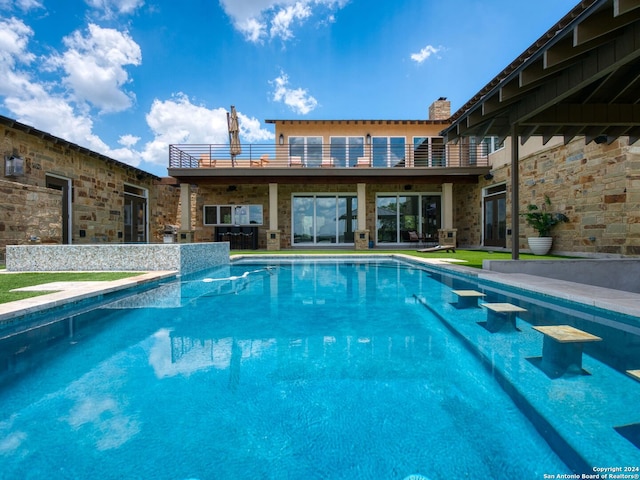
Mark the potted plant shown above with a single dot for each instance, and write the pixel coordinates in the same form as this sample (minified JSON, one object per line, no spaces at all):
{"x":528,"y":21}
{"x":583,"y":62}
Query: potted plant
{"x":542,"y":221}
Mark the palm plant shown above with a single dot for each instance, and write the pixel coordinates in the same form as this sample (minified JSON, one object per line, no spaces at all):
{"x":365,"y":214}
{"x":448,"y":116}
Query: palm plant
{"x":541,"y":220}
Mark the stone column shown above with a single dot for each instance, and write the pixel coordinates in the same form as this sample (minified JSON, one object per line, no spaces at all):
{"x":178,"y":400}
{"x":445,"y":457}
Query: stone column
{"x":361,"y":239}
{"x":273,"y":234}
{"x":447,"y":234}
{"x":185,"y":234}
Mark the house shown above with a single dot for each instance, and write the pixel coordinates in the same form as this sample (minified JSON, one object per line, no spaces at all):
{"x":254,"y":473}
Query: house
{"x":332,"y":183}
{"x":57,"y":192}
{"x":571,"y":101}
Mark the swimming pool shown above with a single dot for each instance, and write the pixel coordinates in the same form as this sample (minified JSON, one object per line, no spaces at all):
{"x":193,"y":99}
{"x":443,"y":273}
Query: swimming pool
{"x":310,"y":369}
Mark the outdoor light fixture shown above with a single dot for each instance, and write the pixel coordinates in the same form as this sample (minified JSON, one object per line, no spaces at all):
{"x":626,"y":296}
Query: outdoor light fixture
{"x":13,"y":166}
{"x":488,"y":176}
{"x":281,"y":139}
{"x":232,"y":188}
{"x":368,"y":139}
{"x":600,"y":139}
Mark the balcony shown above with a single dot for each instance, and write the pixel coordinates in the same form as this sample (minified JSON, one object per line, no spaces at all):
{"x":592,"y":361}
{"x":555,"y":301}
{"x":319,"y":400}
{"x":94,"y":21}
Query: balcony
{"x":327,"y":156}
{"x":198,"y":162}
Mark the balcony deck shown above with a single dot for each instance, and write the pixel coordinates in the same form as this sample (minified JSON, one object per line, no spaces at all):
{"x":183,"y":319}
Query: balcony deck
{"x":258,"y":163}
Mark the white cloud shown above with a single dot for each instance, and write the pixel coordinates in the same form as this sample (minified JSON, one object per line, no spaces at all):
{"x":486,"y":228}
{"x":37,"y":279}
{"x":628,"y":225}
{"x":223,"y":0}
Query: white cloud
{"x":94,"y":66}
{"x":111,"y":8}
{"x":281,"y":23}
{"x":14,"y":40}
{"x":22,"y":5}
{"x":257,"y":19}
{"x":178,"y":120}
{"x":297,"y":99}
{"x":425,"y":53}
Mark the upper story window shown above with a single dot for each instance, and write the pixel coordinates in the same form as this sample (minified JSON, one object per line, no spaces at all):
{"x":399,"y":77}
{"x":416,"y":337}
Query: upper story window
{"x":307,"y":149}
{"x":346,"y":150}
{"x":388,"y":151}
{"x":429,"y":152}
{"x":492,"y":144}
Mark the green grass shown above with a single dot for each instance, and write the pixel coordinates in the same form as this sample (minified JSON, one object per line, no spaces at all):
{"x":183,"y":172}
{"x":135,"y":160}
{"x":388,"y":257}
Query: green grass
{"x":472,"y":258}
{"x":9,"y":281}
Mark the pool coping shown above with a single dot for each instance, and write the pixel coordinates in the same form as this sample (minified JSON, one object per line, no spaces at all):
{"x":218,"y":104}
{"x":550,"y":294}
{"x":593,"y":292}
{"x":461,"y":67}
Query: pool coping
{"x":618,"y":301}
{"x":75,"y":292}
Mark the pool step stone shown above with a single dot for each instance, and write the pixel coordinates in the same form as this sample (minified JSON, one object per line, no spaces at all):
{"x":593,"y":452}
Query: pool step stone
{"x":501,"y":316}
{"x":467,"y":298}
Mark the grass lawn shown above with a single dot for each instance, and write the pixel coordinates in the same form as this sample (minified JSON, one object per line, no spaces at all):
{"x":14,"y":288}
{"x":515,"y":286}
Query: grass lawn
{"x":472,"y":258}
{"x":9,"y":281}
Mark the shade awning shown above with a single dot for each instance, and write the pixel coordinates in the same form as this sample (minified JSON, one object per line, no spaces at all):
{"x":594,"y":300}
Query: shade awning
{"x":582,"y":77}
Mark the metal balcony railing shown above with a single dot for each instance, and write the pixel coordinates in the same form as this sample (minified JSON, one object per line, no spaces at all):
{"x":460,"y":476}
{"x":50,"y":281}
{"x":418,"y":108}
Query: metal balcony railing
{"x":328,"y":156}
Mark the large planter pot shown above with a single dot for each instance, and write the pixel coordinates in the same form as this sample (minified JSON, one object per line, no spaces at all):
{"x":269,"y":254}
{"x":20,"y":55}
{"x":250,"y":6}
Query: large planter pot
{"x":540,"y":245}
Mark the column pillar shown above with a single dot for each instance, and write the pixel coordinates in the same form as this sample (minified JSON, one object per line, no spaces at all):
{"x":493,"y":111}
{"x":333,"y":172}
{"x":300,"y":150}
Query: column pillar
{"x":361,"y":241}
{"x":273,"y":234}
{"x":447,"y":234}
{"x":185,"y":234}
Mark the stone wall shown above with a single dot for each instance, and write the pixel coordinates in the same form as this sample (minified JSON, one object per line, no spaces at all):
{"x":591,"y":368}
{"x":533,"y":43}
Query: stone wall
{"x":29,"y":214}
{"x":259,"y":195}
{"x":98,"y":186}
{"x":596,"y":186}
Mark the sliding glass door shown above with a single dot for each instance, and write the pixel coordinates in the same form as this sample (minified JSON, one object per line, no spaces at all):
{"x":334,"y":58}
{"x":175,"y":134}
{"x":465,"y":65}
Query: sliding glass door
{"x":324,"y":219}
{"x":397,"y":215}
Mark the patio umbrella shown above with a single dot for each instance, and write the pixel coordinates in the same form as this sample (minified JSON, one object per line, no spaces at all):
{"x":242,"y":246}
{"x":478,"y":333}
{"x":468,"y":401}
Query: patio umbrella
{"x":234,"y":134}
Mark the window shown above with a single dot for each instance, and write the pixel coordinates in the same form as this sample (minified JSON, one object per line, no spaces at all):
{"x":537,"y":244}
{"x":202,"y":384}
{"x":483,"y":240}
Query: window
{"x":397,"y":215}
{"x":492,"y":144}
{"x":308,"y":149}
{"x":346,"y":150}
{"x":388,"y":151}
{"x":318,"y":219}
{"x":232,"y":215}
{"x":429,"y":152}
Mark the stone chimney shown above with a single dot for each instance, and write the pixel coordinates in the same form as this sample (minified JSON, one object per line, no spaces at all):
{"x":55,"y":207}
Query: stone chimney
{"x":440,"y":109}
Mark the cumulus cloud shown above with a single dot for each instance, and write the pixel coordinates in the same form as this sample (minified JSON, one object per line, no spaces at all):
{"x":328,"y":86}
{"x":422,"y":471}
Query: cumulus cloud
{"x":22,"y":5}
{"x":14,"y":54}
{"x":94,"y":66}
{"x":112,"y":8}
{"x":261,"y":19}
{"x":425,"y":53}
{"x":297,"y":99}
{"x":178,"y":120}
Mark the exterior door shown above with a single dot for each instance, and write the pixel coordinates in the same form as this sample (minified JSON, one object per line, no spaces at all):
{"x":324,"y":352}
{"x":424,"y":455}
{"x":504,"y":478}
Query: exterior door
{"x":495,"y":220}
{"x":64,"y":185}
{"x":135,"y":219}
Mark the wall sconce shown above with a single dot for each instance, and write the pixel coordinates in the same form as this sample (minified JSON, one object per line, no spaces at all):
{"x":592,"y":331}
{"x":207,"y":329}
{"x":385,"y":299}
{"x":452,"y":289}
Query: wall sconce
{"x":488,"y":176}
{"x":600,"y":139}
{"x":368,"y":139}
{"x":281,"y":139}
{"x":408,"y":187}
{"x":13,"y":166}
{"x":232,"y":188}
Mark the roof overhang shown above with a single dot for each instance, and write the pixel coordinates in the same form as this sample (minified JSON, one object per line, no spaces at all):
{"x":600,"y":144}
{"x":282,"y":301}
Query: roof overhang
{"x":303,"y":176}
{"x":581,"y":78}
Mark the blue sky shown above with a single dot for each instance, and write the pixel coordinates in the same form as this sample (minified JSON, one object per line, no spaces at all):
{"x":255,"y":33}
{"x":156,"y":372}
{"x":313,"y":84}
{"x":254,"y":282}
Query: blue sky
{"x":126,"y":78}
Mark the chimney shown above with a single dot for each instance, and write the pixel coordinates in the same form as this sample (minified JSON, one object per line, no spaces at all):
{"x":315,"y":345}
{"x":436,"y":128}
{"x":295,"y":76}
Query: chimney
{"x":440,"y":109}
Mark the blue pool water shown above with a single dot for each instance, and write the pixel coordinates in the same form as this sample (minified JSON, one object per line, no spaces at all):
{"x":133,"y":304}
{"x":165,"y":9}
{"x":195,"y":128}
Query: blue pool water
{"x":306,"y":369}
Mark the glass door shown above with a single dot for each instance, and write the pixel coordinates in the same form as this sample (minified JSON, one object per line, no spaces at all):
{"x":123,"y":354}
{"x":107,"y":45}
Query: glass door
{"x":495,"y":218}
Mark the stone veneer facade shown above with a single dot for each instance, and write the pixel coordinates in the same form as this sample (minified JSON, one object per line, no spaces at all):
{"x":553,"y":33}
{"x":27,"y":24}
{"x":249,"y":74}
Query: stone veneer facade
{"x":596,"y":186}
{"x":30,"y":212}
